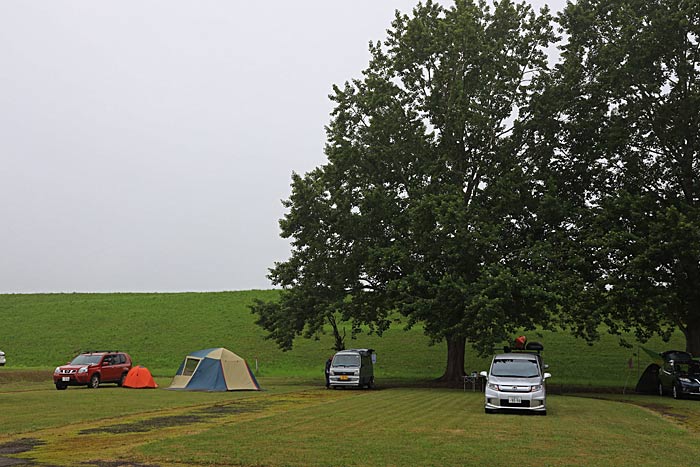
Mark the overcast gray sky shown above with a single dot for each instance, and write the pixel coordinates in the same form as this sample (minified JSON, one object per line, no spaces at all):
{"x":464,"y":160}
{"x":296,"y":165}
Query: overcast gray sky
{"x":146,"y":145}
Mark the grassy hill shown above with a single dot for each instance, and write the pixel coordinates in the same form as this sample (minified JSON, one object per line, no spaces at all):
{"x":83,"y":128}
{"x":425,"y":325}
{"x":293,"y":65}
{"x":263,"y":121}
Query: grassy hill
{"x":158,"y":330}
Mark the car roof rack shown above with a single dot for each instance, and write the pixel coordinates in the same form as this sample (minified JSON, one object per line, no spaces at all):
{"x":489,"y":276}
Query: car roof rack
{"x":358,"y":350}
{"x":530,"y":347}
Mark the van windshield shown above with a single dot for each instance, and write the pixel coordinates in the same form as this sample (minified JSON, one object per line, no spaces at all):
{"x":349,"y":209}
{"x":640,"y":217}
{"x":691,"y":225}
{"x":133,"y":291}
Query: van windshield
{"x":515,"y":368}
{"x":346,"y":360}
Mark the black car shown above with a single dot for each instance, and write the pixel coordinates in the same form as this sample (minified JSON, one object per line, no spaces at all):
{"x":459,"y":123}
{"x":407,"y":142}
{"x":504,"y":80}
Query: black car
{"x":680,"y":378}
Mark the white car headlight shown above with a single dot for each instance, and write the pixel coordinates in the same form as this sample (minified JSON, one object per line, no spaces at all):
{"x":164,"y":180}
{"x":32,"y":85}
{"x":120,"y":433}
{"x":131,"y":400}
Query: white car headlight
{"x":536,"y":388}
{"x":83,"y":370}
{"x":493,"y":386}
{"x":684,"y":380}
{"x":57,"y":370}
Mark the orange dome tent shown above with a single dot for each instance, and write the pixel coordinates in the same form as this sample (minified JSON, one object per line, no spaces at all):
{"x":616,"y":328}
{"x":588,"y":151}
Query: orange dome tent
{"x":139,"y":377}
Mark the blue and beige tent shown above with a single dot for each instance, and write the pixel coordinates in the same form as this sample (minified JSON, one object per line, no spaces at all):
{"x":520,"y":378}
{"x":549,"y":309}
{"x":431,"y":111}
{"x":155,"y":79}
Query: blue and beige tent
{"x":214,"y":370}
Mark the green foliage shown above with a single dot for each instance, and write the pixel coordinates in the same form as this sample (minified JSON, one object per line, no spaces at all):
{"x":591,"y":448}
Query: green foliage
{"x":628,"y":166}
{"x":425,"y":206}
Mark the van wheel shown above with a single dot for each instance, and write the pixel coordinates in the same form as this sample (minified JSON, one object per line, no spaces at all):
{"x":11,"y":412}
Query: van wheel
{"x":370,"y":385}
{"x":94,"y":381}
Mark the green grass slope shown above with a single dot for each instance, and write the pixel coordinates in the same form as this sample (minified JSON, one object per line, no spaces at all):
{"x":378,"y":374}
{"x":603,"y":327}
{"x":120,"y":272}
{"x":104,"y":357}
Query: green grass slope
{"x":158,"y":330}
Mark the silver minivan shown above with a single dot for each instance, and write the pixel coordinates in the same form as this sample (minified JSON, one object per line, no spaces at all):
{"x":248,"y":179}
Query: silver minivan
{"x":516,"y":381}
{"x":353,"y":368}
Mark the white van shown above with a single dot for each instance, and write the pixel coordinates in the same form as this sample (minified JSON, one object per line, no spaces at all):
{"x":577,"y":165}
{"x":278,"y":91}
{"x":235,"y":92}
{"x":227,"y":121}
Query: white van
{"x":353,"y":368}
{"x":516,"y":381}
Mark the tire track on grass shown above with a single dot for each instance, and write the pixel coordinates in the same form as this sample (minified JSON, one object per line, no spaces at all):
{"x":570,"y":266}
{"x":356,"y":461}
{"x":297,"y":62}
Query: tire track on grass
{"x":104,"y":442}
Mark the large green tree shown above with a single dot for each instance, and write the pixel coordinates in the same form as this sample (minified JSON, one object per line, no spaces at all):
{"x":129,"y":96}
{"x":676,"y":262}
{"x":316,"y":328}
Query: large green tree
{"x":427,"y":205}
{"x":628,"y":162}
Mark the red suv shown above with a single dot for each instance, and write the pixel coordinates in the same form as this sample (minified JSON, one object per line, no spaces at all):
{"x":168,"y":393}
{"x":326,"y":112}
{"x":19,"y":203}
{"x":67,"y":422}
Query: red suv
{"x":93,"y":368}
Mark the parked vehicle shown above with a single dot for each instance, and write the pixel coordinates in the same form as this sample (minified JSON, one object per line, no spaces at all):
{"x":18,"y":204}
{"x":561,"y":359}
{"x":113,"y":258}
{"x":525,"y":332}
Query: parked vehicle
{"x":2,"y":358}
{"x":680,"y":378}
{"x":516,"y":381}
{"x":93,"y":368}
{"x":352,"y":368}
{"x":676,"y":355}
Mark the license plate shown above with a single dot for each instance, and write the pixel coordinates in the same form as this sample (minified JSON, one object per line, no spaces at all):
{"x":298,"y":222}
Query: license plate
{"x":65,"y":378}
{"x":515,"y":400}
{"x":343,"y":378}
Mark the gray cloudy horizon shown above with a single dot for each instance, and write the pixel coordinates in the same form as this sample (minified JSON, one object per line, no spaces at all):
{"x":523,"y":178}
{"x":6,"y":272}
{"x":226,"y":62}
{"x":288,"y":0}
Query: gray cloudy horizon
{"x":146,"y":146}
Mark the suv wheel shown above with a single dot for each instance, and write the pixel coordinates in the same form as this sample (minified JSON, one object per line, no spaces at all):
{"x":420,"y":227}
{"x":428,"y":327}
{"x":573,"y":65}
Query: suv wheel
{"x":120,"y":383}
{"x":677,"y":394}
{"x":61,"y":386}
{"x":94,"y":381}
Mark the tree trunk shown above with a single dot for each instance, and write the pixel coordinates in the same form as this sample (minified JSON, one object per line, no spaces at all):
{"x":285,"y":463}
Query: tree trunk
{"x":692,"y":338}
{"x":339,"y":339}
{"x":454,"y":372}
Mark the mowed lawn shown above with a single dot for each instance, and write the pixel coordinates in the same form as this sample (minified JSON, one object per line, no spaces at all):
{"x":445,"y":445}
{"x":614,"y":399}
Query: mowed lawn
{"x":428,"y":427}
{"x":307,"y":425}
